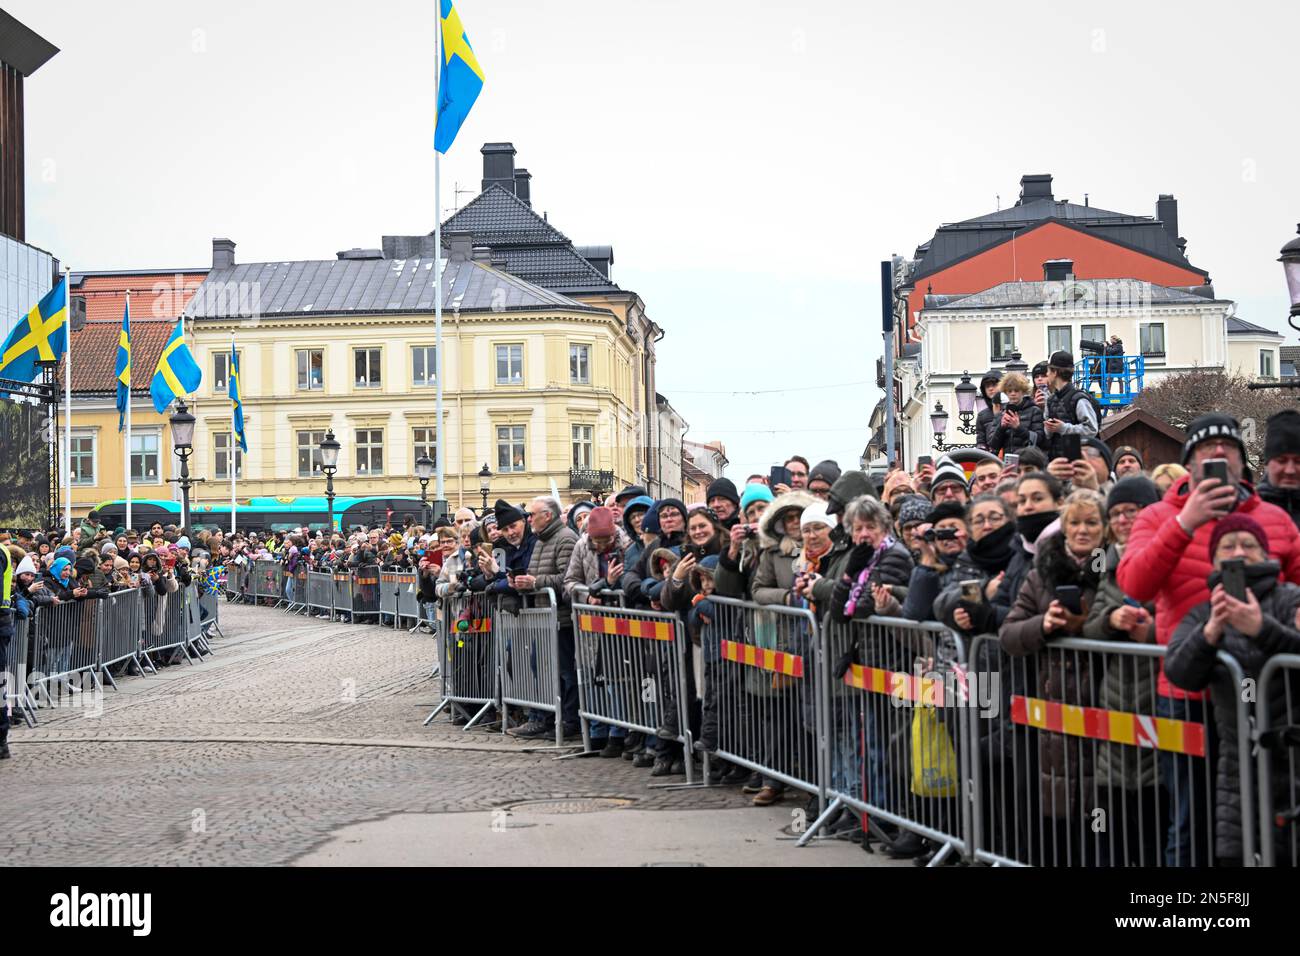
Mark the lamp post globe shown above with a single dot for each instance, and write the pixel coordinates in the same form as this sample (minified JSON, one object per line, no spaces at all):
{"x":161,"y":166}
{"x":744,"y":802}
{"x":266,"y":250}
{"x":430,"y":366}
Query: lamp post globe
{"x":1290,"y":260}
{"x":484,"y":483}
{"x":329,"y":464}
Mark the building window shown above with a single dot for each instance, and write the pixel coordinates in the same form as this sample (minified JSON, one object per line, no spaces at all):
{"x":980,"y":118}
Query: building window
{"x":221,"y":444}
{"x":370,"y":451}
{"x":309,"y":463}
{"x":510,"y":365}
{"x":424,"y":366}
{"x":1058,"y":339}
{"x":1265,"y":364}
{"x":1002,"y":343}
{"x":144,"y":458}
{"x":311,"y":369}
{"x":365,"y":362}
{"x":221,"y":370}
{"x":582,"y":446}
{"x":579,"y":365}
{"x":83,"y":459}
{"x":1093,"y":333}
{"x":510,"y":448}
{"x":422,"y":443}
{"x":1152,"y":336}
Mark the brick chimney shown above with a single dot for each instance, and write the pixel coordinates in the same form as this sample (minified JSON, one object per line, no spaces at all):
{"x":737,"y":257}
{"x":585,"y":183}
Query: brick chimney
{"x":223,"y":254}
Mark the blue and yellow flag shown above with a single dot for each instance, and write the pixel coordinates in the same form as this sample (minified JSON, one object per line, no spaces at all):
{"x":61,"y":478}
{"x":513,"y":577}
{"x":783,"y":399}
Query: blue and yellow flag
{"x":460,"y":78}
{"x":40,"y":336}
{"x":123,"y":368}
{"x":237,"y":401}
{"x":177,"y":373}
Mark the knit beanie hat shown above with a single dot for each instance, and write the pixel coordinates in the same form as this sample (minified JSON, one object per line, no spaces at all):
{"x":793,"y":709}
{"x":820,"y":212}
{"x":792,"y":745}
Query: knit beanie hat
{"x":1102,"y":447}
{"x":827,"y":471}
{"x":1213,"y":425}
{"x":947,"y":509}
{"x":26,"y":566}
{"x":507,"y":514}
{"x":913,"y":510}
{"x":1129,"y":451}
{"x":85,"y":565}
{"x":1237,"y":522}
{"x":650,"y":523}
{"x":722,"y":488}
{"x":1282,"y":434}
{"x":945,"y":469}
{"x":816,"y":514}
{"x":1135,"y":490}
{"x":108,"y":548}
{"x":600,"y":523}
{"x":756,"y":491}
{"x":183,"y":542}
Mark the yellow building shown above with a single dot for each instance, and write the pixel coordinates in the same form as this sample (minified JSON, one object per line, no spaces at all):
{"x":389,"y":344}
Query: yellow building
{"x":536,"y":385}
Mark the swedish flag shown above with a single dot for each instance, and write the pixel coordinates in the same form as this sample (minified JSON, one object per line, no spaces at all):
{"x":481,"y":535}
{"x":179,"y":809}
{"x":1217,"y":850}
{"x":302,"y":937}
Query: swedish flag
{"x":460,"y":78}
{"x":40,"y":336}
{"x":177,"y":372}
{"x":123,"y":368}
{"x":236,"y":400}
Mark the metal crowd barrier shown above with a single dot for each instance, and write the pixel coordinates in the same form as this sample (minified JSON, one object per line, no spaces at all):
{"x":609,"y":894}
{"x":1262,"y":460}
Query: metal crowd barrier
{"x":1082,"y":761}
{"x":606,"y":597}
{"x":399,"y":593}
{"x":365,"y":592}
{"x":762,"y":712}
{"x":210,"y":613}
{"x":297,"y":581}
{"x":1277,"y":724}
{"x":121,"y":627}
{"x":632,"y":673}
{"x":897,"y":715}
{"x":342,"y":593}
{"x":237,"y":579}
{"x":528,"y":652}
{"x":320,"y":592}
{"x":165,"y":627}
{"x":268,"y":581}
{"x":195,"y":639}
{"x":15,"y":676}
{"x":66,"y":643}
{"x":470,"y":675}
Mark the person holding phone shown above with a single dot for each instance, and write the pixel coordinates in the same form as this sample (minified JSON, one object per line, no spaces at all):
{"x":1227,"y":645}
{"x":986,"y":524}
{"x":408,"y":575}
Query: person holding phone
{"x":1071,"y":414}
{"x":1251,"y":631}
{"x":991,"y":409}
{"x":1021,"y":423}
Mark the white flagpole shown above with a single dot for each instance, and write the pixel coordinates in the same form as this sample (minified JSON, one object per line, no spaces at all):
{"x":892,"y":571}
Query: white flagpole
{"x":230,"y":448}
{"x":439,"y":457}
{"x":127,"y":468}
{"x":66,"y":466}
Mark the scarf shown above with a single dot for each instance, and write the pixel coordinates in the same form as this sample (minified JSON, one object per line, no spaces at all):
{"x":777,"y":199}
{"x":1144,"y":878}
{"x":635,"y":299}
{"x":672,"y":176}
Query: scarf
{"x":993,"y":552}
{"x":1031,"y":526}
{"x":855,"y":592}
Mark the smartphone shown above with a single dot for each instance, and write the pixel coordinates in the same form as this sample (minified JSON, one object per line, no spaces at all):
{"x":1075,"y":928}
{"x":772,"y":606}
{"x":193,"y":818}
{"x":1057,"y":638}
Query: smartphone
{"x":1011,"y":461}
{"x":1234,"y":577}
{"x":779,"y":475}
{"x":972,"y":591}
{"x":924,"y":460}
{"x":1072,"y":447}
{"x":697,"y":550}
{"x":1002,"y":398}
{"x":1216,"y":468}
{"x":1071,"y":598}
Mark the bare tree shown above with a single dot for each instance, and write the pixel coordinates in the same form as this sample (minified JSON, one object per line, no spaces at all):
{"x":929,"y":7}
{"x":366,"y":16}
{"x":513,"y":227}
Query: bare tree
{"x":1180,"y":398}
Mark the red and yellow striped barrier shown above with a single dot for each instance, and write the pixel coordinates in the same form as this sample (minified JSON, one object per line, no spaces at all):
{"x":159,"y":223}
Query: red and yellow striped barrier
{"x":1113,"y":726}
{"x":626,"y":627}
{"x":777,"y":662}
{"x":928,"y":691}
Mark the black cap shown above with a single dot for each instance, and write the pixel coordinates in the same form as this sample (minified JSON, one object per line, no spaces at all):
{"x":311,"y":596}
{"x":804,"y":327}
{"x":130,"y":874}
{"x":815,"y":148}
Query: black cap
{"x":1062,"y":360}
{"x":631,"y":491}
{"x":506,"y":513}
{"x":1039,"y":369}
{"x":722,"y":488}
{"x":948,"y":509}
{"x":1135,"y":489}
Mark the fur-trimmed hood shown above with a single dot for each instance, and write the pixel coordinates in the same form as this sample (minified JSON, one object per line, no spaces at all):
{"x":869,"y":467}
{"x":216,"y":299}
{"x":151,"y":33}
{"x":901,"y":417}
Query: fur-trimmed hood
{"x":662,"y":561}
{"x":770,"y":534}
{"x":1056,"y":566}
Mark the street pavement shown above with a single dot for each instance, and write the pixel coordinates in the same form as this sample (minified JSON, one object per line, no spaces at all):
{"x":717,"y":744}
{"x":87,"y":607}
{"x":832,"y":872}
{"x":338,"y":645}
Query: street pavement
{"x":301,"y":742}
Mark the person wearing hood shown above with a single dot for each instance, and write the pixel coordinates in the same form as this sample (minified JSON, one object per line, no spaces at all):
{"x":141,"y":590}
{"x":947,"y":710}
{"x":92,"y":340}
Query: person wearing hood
{"x":579,"y":512}
{"x":89,"y":580}
{"x":635,"y":511}
{"x":1020,"y":425}
{"x":989,"y":551}
{"x":1262,"y":626}
{"x":990,"y":409}
{"x":822,"y":477}
{"x":739,"y":560}
{"x":897,"y":483}
{"x":670,"y":518}
{"x":1281,"y":484}
{"x":1038,"y":506}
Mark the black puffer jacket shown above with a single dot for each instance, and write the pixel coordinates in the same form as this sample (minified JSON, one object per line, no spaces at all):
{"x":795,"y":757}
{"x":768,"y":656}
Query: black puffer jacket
{"x":1031,"y":431}
{"x":893,"y":567}
{"x":1192,"y":664}
{"x":1288,"y":499}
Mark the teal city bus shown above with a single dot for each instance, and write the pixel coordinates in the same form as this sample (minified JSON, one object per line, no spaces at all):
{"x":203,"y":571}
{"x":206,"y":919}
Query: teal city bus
{"x":270,"y":513}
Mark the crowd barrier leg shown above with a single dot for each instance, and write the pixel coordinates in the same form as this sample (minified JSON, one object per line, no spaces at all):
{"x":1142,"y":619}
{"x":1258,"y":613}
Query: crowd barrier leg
{"x":1277,"y":732}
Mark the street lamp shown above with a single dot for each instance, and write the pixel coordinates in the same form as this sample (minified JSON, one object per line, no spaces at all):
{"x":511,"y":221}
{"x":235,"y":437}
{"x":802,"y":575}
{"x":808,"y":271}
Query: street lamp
{"x":423,"y":472}
{"x":182,"y":425}
{"x":939,"y":424}
{"x":1016,"y":364}
{"x":485,"y":482}
{"x":1291,"y":263}
{"x":966,"y":392}
{"x":329,"y":463}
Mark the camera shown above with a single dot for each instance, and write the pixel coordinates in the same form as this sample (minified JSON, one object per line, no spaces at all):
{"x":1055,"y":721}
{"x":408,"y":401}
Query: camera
{"x":940,"y":534}
{"x":751,"y":531}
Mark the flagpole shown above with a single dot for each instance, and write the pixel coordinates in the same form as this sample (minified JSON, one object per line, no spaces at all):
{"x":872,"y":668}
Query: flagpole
{"x":438,"y":455}
{"x":131,"y":382}
{"x":230,"y":449}
{"x":66,"y":465}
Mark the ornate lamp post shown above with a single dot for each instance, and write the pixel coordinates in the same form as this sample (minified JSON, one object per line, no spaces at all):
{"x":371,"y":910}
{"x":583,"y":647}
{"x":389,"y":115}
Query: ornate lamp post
{"x":182,"y":426}
{"x":329,"y":463}
{"x":966,"y":395}
{"x":1290,"y":260}
{"x":1016,"y":364}
{"x":423,"y":472}
{"x":939,"y":423}
{"x":484,"y":483}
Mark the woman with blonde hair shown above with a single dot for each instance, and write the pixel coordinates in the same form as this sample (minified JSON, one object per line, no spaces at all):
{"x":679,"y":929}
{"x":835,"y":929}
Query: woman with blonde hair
{"x":1167,"y":475}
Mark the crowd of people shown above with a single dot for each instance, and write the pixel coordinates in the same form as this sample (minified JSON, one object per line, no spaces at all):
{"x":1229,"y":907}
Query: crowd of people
{"x":1051,"y":534}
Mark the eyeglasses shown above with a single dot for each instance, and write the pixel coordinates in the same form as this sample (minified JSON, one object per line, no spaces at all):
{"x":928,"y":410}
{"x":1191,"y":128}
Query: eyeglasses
{"x":993,"y":519}
{"x":1128,"y":512}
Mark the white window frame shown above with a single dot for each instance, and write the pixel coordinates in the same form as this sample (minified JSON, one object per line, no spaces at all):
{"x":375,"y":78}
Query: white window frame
{"x":579,"y":352}
{"x":94,"y":457}
{"x":221,"y":459}
{"x":419,"y":447}
{"x":513,"y":377}
{"x":369,"y":446}
{"x":1264,"y":354}
{"x":374,"y":360}
{"x":297,"y":360}
{"x":1069,"y":338}
{"x":513,"y":443}
{"x":430,"y":368}
{"x":313,"y":457}
{"x":582,"y":443}
{"x":221,"y":383}
{"x":1142,"y":333}
{"x":156,"y":435}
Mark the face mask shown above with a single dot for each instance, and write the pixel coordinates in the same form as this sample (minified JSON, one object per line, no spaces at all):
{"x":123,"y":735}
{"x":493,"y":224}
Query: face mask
{"x":1031,"y":526}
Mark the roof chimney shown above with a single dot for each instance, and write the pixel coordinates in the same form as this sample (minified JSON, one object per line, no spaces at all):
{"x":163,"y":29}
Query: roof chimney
{"x":1058,"y":270}
{"x":602,"y":257}
{"x":482,"y":254}
{"x":223,"y":254}
{"x":499,"y":166}
{"x":461,"y":242}
{"x":1035,"y":186}
{"x":1167,"y":213}
{"x":522,"y":189}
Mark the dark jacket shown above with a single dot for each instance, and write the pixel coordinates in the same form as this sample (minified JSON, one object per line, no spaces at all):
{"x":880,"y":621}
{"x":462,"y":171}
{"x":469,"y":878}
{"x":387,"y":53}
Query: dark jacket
{"x":893,"y":567}
{"x":992,"y":555}
{"x":1065,"y":771}
{"x":927,"y":583}
{"x":1030,"y":433}
{"x":1192,"y":664}
{"x":550,"y":560}
{"x":1288,"y":499}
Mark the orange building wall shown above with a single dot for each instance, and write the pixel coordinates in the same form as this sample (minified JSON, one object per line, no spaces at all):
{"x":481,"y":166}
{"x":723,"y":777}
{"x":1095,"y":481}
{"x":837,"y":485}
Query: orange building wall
{"x":1022,"y":259}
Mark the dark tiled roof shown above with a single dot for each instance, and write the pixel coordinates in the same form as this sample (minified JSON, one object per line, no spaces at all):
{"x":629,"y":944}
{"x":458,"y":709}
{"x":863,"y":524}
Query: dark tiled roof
{"x":1238,"y":326}
{"x":365,"y":287}
{"x":1289,"y":353}
{"x":1010,"y":295}
{"x":533,"y":249}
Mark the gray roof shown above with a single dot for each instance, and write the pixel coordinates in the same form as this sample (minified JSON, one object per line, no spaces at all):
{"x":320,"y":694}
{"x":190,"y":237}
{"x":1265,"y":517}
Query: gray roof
{"x":21,"y":47}
{"x":1238,"y":326}
{"x":1012,"y":295}
{"x":960,"y":240}
{"x":532,"y":248}
{"x":1289,"y":353}
{"x":366,"y":287}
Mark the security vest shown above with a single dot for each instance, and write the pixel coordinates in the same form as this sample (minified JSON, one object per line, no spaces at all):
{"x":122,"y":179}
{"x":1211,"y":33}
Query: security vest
{"x":6,"y":580}
{"x":1063,"y":406}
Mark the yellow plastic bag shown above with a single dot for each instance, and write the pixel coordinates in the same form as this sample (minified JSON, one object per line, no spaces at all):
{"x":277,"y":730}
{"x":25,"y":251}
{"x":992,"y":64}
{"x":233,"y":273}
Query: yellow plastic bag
{"x":934,"y":762}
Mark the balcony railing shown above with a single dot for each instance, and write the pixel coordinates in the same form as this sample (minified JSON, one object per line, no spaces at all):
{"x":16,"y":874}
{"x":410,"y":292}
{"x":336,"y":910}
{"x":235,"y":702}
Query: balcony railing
{"x":1114,"y":379}
{"x":588,"y":479}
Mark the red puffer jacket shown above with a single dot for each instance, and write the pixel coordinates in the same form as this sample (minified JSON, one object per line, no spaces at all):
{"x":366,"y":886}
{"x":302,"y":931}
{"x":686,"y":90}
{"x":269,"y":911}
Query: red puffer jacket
{"x":1162,"y":564}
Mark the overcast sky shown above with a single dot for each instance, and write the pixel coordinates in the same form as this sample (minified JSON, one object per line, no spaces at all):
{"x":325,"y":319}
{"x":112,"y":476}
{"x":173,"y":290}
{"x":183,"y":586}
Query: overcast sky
{"x":751,"y":163}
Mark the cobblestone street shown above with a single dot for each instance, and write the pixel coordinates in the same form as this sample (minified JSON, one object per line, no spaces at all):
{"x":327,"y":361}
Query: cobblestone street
{"x":301,"y":740}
